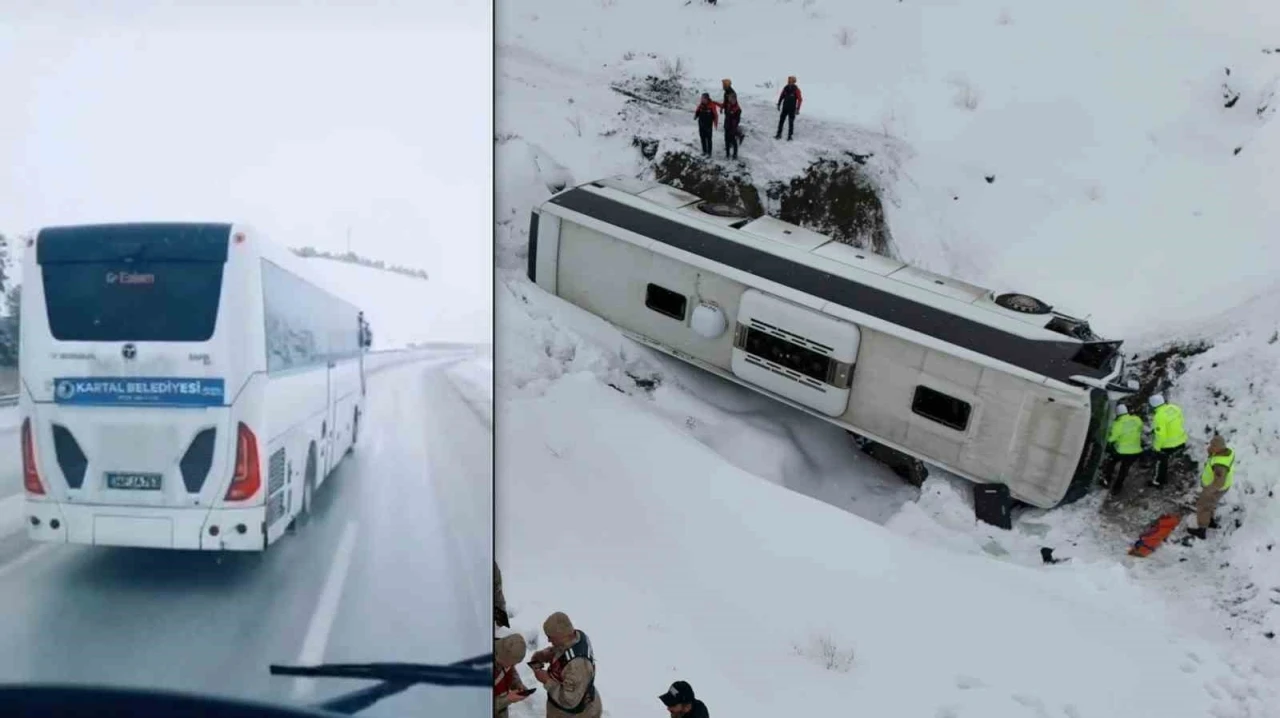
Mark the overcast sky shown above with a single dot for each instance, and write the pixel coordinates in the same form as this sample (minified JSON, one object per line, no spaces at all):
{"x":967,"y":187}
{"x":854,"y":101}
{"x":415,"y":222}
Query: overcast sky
{"x":302,"y":118}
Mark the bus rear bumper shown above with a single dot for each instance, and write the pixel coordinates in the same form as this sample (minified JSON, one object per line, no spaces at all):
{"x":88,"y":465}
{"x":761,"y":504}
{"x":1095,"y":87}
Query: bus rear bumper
{"x":139,"y":527}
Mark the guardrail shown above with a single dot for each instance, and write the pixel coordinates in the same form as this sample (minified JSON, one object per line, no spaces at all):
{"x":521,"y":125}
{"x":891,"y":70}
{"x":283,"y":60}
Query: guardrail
{"x":381,"y":359}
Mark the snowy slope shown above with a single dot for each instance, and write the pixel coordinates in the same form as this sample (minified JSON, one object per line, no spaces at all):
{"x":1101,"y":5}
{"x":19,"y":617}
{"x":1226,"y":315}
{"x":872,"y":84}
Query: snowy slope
{"x":1107,"y":136}
{"x":1116,"y":193}
{"x":681,"y":567}
{"x":400,"y":309}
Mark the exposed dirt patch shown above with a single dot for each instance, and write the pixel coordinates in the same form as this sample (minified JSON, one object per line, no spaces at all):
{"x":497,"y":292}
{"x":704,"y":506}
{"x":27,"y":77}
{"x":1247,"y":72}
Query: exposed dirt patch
{"x":834,"y":197}
{"x":710,"y":181}
{"x":1157,"y":372}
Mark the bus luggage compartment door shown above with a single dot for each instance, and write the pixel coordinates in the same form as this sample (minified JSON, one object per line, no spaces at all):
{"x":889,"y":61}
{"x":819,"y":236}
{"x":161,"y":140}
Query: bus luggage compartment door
{"x":795,"y":352}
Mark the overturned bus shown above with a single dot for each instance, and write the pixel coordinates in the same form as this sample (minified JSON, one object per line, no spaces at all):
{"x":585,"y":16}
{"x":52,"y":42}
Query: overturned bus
{"x":994,"y":387}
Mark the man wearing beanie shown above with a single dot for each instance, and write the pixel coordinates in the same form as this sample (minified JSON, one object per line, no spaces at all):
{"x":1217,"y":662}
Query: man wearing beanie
{"x":567,"y":670}
{"x":680,"y":701}
{"x":507,"y":686}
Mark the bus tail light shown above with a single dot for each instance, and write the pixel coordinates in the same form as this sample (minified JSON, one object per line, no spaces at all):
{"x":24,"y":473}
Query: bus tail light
{"x":30,"y":477}
{"x":248,"y":477}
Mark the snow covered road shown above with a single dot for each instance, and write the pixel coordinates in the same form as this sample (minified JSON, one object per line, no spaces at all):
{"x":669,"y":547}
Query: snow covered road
{"x":393,"y":567}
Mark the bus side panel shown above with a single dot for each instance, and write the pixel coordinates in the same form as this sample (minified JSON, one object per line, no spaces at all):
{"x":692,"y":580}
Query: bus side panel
{"x":345,"y":384}
{"x":610,"y":278}
{"x":296,"y":403}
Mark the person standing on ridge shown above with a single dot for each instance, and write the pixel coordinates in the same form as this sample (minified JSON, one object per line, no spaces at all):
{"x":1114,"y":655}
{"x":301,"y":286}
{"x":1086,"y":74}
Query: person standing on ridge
{"x":1169,"y":436}
{"x":507,"y":686}
{"x":1125,"y":440}
{"x":732,"y":118}
{"x":569,"y":675}
{"x":789,"y":105}
{"x":708,"y":118}
{"x":1216,"y":478}
{"x":729,"y":92}
{"x":680,"y":701}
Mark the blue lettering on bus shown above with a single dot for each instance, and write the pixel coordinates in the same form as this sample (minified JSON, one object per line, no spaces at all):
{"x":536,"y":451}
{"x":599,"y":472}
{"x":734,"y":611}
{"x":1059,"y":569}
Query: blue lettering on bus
{"x":135,"y":391}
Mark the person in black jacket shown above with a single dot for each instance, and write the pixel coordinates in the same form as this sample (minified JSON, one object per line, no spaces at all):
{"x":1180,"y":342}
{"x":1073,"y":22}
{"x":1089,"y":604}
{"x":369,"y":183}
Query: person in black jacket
{"x":680,"y":701}
{"x":789,"y":106}
{"x":732,"y":117}
{"x":708,"y":118}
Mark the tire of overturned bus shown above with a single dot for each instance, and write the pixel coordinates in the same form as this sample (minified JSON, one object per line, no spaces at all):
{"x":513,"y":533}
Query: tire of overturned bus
{"x":1022,"y":303}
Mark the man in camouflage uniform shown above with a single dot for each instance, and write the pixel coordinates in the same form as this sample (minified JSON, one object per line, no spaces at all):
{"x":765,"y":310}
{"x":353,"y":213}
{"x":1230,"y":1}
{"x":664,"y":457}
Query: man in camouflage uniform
{"x":567,"y":670}
{"x":507,"y":686}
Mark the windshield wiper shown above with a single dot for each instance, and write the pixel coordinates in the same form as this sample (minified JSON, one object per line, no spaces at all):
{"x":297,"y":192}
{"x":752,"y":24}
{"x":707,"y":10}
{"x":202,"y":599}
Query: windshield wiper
{"x":393,"y":678}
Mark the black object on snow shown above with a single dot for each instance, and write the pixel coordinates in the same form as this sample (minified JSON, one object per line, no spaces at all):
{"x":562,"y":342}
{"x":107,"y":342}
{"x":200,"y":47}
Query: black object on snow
{"x":993,"y":505}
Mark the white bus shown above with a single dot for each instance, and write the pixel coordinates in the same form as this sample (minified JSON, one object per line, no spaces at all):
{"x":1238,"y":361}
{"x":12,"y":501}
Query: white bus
{"x":185,"y":386}
{"x":996,"y":387}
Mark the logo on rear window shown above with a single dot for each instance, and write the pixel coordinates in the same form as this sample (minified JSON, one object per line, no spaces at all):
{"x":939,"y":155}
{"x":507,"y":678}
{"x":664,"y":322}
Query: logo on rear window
{"x":130,"y":278}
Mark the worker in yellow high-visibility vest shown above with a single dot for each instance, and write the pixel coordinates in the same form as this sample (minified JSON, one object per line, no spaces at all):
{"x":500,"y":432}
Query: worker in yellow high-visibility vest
{"x":1216,"y":478}
{"x":1125,"y":441}
{"x":1168,"y":436}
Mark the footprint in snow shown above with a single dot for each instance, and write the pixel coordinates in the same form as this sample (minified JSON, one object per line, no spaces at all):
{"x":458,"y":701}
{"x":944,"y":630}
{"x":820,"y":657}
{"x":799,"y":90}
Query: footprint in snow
{"x":1071,"y":711}
{"x":964,"y":683}
{"x":1194,"y":656}
{"x":948,"y":712}
{"x":1213,"y":691}
{"x":1188,"y":667}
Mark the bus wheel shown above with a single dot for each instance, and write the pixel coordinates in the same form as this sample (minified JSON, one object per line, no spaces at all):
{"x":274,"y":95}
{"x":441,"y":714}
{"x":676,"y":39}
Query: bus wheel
{"x":355,"y":431}
{"x":308,"y":486}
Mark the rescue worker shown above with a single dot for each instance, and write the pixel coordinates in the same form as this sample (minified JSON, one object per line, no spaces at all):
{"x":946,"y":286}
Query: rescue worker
{"x":507,"y":686}
{"x":1216,"y":478}
{"x":569,"y":675}
{"x":500,"y":617}
{"x":680,"y":701}
{"x":708,"y":118}
{"x":789,"y":106}
{"x":732,"y":118}
{"x":1125,"y":442}
{"x":1169,"y":436}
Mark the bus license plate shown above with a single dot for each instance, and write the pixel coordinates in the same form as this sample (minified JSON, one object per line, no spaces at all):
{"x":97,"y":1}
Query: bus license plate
{"x":133,"y":482}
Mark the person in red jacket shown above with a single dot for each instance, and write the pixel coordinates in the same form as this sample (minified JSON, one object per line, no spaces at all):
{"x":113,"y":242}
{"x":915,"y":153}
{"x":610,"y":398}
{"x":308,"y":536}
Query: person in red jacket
{"x":708,"y":117}
{"x":732,"y":133}
{"x":789,"y":105}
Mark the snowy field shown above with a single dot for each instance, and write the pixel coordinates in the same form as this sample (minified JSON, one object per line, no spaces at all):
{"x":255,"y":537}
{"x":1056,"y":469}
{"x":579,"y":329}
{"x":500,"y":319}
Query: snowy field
{"x":1117,"y":193}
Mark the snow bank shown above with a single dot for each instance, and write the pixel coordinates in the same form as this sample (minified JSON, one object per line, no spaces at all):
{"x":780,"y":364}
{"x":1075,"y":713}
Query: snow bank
{"x":473,"y":379}
{"x":682,"y":567}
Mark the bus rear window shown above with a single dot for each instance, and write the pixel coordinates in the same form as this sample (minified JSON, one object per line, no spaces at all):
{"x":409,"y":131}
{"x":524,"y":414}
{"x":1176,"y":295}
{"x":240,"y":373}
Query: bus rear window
{"x":140,"y":301}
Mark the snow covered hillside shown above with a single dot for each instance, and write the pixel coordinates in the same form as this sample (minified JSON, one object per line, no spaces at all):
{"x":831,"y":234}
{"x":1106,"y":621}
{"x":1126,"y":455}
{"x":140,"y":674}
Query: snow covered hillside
{"x":1085,"y":153}
{"x":402,"y":310}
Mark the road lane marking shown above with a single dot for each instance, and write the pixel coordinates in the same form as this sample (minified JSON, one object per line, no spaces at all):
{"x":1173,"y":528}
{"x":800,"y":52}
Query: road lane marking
{"x":326,"y":611}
